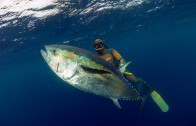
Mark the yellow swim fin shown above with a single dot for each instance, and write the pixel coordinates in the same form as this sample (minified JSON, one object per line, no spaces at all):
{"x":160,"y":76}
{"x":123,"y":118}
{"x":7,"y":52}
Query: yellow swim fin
{"x":157,"y":98}
{"x":159,"y":101}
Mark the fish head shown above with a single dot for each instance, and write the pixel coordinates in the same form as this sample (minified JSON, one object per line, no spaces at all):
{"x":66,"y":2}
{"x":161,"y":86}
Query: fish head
{"x":60,"y":60}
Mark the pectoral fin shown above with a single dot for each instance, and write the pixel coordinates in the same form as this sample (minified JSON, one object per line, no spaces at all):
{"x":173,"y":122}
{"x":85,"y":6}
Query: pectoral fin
{"x":95,"y":71}
{"x":116,"y":103}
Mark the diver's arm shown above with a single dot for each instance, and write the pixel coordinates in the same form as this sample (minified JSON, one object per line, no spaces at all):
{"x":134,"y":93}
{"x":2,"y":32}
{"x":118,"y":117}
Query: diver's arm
{"x":118,"y":56}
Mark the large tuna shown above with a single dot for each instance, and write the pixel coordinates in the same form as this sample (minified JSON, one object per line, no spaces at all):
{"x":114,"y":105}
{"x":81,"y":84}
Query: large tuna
{"x":88,"y":72}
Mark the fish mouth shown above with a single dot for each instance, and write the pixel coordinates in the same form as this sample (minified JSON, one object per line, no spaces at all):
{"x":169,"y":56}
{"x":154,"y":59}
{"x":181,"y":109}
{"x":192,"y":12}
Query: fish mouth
{"x":48,"y":51}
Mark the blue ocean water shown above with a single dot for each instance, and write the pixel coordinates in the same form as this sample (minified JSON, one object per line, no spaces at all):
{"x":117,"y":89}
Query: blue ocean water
{"x":157,"y":36}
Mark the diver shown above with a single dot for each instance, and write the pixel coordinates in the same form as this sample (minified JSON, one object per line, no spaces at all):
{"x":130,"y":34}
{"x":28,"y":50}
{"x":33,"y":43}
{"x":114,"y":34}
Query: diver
{"x":113,"y":57}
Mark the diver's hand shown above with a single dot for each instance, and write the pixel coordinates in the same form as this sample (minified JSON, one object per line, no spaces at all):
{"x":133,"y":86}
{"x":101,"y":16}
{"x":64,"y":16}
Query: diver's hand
{"x":121,"y":65}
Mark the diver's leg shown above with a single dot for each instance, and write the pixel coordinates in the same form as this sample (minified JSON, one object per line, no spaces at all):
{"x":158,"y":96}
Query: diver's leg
{"x":131,"y":77}
{"x":140,"y":83}
{"x":154,"y":95}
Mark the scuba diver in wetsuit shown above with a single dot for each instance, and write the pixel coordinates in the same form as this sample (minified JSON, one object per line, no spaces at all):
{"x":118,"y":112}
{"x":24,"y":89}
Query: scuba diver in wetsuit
{"x":113,"y":57}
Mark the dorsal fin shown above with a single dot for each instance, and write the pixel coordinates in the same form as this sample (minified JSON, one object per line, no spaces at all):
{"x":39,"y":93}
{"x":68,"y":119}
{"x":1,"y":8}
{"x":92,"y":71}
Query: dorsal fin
{"x":123,"y":67}
{"x":95,"y":71}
